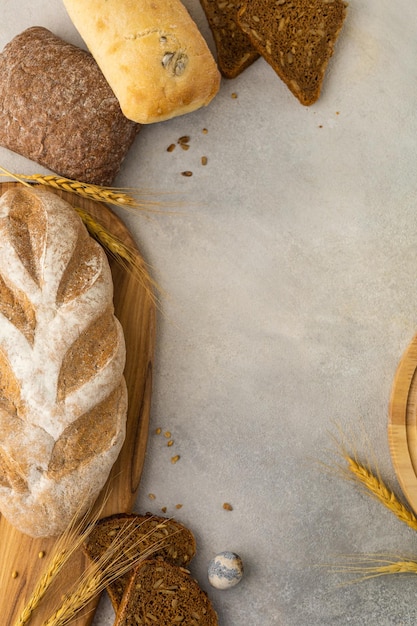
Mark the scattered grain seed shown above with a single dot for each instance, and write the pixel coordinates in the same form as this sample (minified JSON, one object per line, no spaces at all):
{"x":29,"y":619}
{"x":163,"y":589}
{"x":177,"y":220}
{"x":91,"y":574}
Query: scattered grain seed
{"x":158,"y":431}
{"x":151,"y":496}
{"x":164,"y":509}
{"x":227,"y":506}
{"x":234,"y":95}
{"x":167,"y":434}
{"x":171,"y":147}
{"x":204,"y":131}
{"x":170,"y":443}
{"x":203,"y":160}
{"x":158,"y":583}
{"x":178,"y":506}
{"x":184,"y":139}
{"x":15,"y":574}
{"x":175,"y":458}
{"x":186,"y":173}
{"x":41,"y":554}
{"x":185,"y":146}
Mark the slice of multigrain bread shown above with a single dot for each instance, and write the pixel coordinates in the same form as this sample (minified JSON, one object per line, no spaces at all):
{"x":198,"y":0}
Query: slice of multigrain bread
{"x":176,"y":543}
{"x":162,"y":594}
{"x":234,"y":49}
{"x":296,"y":37}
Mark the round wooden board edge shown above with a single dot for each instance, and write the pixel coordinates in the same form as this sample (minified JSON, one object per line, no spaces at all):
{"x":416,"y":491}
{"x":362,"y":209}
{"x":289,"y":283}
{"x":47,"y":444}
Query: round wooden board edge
{"x":399,"y":435}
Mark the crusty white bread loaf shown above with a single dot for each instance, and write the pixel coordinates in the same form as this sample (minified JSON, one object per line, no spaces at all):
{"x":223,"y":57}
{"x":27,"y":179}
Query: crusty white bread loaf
{"x":63,"y":398}
{"x":152,"y":54}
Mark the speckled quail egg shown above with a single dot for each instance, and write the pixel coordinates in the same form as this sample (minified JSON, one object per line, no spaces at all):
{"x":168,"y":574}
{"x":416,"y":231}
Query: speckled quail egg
{"x":225,"y":570}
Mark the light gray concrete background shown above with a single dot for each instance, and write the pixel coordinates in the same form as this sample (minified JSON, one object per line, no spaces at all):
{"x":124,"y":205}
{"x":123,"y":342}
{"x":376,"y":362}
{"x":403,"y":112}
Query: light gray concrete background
{"x":290,"y":274}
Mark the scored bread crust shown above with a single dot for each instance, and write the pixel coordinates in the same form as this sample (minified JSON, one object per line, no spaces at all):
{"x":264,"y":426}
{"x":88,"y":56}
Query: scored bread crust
{"x":152,"y":54}
{"x":63,"y":398}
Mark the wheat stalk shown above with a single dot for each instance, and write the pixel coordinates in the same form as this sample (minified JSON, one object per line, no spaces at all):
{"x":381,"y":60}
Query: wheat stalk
{"x":64,"y":548}
{"x":372,"y":566}
{"x":377,"y":488}
{"x":111,"y":195}
{"x":110,"y":566}
{"x":125,"y":255}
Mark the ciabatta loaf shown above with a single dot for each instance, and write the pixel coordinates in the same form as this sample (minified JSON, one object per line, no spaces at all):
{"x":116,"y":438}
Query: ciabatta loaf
{"x":63,"y":398}
{"x":152,"y":54}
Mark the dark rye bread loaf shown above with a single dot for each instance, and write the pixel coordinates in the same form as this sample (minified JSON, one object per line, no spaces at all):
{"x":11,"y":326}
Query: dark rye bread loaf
{"x":57,"y":109}
{"x":176,"y":543}
{"x":296,"y":37}
{"x":164,"y":595}
{"x":235,"y":51}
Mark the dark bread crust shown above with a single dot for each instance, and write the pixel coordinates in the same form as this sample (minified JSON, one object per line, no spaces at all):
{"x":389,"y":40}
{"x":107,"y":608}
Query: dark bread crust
{"x":57,"y":109}
{"x":296,"y":37}
{"x":235,"y":51}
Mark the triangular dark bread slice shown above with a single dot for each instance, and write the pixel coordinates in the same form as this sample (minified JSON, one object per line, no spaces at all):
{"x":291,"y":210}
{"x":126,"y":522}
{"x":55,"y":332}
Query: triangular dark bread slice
{"x":296,"y":37}
{"x":165,"y":595}
{"x":234,"y":50}
{"x":176,"y":543}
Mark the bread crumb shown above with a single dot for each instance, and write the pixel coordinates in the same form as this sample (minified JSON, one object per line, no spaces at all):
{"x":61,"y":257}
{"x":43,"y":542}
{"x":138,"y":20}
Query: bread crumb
{"x":227,"y":506}
{"x":164,"y":509}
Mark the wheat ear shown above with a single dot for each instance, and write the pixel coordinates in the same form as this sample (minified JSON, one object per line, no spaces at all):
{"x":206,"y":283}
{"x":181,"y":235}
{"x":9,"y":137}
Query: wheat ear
{"x":66,"y":545}
{"x":374,"y":486}
{"x":128,"y":258}
{"x":99,"y":574}
{"x":371,"y":566}
{"x":116,"y":196}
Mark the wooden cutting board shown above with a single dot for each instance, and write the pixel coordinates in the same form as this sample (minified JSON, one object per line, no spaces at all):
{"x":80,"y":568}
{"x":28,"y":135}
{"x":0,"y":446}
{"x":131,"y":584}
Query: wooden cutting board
{"x":402,"y":426}
{"x":136,"y":311}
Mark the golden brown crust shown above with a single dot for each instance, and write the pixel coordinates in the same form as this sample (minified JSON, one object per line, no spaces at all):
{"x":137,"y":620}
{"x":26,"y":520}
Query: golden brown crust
{"x":151,"y":53}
